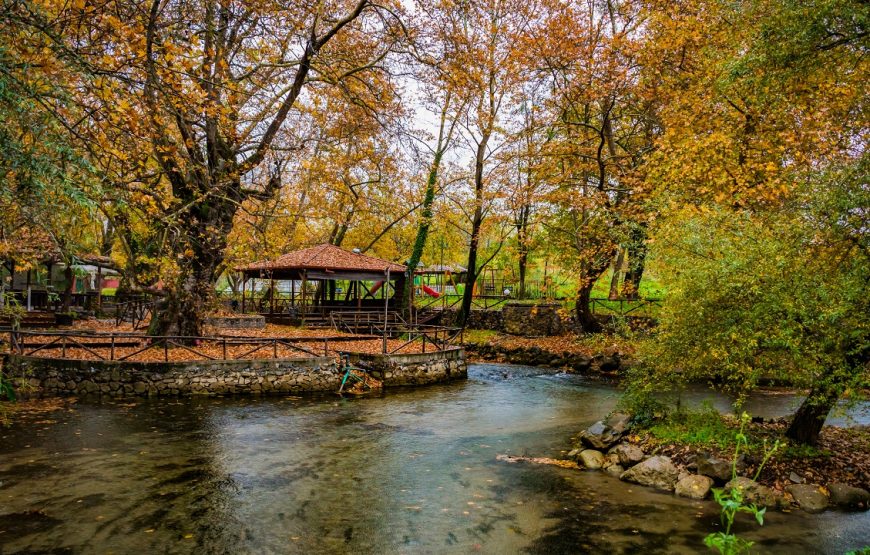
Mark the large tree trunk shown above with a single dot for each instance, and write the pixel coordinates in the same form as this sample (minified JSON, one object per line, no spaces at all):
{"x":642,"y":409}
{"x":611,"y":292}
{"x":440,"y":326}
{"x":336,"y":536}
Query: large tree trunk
{"x":187,"y":301}
{"x":617,"y":273}
{"x":69,"y":276}
{"x":810,"y":416}
{"x":636,"y":263}
{"x":586,"y":321}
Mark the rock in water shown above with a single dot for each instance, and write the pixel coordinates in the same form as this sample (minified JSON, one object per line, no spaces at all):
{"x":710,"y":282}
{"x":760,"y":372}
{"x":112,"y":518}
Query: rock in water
{"x":658,"y":472}
{"x":694,"y":486}
{"x":591,"y":459}
{"x":615,"y":469}
{"x":600,"y":436}
{"x":809,"y":497}
{"x":849,"y":497}
{"x":753,"y":492}
{"x":627,"y":454}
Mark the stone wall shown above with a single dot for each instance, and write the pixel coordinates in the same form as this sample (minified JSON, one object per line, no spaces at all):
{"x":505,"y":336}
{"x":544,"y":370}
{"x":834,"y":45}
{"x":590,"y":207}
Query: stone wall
{"x":478,"y":319}
{"x":537,"y":320}
{"x":415,"y":369}
{"x":249,"y":321}
{"x":52,"y":377}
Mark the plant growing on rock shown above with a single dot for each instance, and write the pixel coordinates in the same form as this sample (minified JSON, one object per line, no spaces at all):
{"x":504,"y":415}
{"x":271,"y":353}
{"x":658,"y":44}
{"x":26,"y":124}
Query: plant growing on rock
{"x":732,"y":501}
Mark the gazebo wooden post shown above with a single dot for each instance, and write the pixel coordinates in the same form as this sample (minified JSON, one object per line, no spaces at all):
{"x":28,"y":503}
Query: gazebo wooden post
{"x":304,"y":294}
{"x":244,"y":281}
{"x":271,"y":293}
{"x":386,"y":310}
{"x":293,"y":293}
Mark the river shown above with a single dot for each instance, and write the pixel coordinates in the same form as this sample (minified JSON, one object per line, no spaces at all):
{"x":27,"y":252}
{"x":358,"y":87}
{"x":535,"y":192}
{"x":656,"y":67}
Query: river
{"x":412,"y":471}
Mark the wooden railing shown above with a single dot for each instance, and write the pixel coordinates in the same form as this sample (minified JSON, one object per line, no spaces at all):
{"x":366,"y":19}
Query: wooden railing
{"x":439,"y":337}
{"x":106,"y":346}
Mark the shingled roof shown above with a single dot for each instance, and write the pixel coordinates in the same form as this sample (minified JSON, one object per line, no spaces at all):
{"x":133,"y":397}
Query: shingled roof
{"x":325,"y":257}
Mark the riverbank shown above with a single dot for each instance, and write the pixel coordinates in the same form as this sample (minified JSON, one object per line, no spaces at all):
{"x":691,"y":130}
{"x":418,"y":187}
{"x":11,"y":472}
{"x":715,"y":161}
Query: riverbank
{"x":597,"y":354}
{"x":691,"y":452}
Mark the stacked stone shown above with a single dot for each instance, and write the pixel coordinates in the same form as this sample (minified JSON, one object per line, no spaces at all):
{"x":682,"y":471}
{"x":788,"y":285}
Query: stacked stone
{"x":602,"y":448}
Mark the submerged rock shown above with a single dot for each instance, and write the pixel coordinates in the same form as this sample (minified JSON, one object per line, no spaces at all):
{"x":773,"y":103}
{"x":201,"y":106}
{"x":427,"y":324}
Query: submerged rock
{"x":809,"y":497}
{"x":615,"y":469}
{"x":849,"y":497}
{"x":658,"y":472}
{"x":591,"y":459}
{"x":694,"y":486}
{"x":753,"y":492}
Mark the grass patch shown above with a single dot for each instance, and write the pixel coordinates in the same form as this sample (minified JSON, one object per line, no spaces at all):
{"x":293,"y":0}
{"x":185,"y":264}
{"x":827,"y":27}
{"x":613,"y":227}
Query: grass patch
{"x":479,"y":336}
{"x":702,"y":428}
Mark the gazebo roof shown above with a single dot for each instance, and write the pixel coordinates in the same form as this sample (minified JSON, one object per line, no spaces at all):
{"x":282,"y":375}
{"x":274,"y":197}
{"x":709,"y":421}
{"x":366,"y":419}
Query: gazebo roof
{"x":324,"y":259}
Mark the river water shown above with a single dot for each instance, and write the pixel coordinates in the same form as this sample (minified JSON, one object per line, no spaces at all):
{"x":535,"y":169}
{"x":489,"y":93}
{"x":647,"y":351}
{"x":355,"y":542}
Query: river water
{"x":413,"y":471}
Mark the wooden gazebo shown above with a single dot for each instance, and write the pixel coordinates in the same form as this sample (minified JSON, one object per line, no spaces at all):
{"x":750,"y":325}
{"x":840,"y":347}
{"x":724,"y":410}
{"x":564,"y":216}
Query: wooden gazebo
{"x":320,"y":281}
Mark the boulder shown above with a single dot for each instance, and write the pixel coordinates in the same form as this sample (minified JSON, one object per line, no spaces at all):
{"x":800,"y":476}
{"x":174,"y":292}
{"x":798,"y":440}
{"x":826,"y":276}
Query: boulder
{"x":716,"y":468}
{"x":619,"y":422}
{"x":849,"y":497}
{"x":591,"y":459}
{"x":601,"y":435}
{"x":658,"y":472}
{"x":809,"y":497}
{"x":753,"y":492}
{"x":598,"y":436}
{"x":694,"y":486}
{"x":627,"y":454}
{"x":795,"y":479}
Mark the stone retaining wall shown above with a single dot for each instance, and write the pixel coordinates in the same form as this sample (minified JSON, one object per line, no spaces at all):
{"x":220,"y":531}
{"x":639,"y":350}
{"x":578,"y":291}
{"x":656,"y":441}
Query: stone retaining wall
{"x":56,"y":377}
{"x":533,"y":320}
{"x":415,"y":369}
{"x":478,"y":319}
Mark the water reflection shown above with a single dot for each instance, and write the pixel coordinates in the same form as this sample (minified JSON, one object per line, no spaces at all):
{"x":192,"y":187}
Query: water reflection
{"x":413,"y":471}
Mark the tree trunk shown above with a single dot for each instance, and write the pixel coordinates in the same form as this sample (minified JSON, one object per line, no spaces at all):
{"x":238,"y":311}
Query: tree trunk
{"x":522,"y":263}
{"x":586,"y":321}
{"x":617,"y":273}
{"x":426,"y":216}
{"x":476,"y":222}
{"x":810,"y":416}
{"x":636,"y":263}
{"x":522,"y":225}
{"x":69,"y":276}
{"x":192,"y":295}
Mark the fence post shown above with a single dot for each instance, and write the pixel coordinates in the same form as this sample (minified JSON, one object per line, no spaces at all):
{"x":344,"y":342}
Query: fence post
{"x":424,"y":342}
{"x":274,"y":348}
{"x":224,"y":345}
{"x":112,"y":351}
{"x":165,"y":349}
{"x":63,"y":347}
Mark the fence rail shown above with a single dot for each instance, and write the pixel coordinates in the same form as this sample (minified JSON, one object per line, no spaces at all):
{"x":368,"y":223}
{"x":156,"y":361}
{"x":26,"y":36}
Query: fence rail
{"x":205,"y":347}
